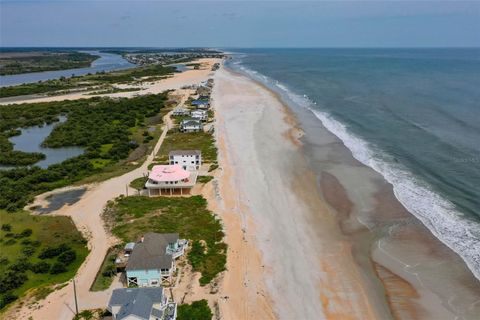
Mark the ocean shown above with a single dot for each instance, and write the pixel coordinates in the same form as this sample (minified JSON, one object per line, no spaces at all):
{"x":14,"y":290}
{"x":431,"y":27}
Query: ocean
{"x":412,"y":115}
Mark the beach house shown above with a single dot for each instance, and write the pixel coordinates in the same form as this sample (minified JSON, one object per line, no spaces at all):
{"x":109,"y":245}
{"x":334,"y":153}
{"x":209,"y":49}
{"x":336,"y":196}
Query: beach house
{"x":191,"y":125}
{"x":170,"y":180}
{"x":179,"y":111}
{"x":201,"y":104}
{"x":190,"y":160}
{"x":141,"y":304}
{"x":201,"y":115}
{"x":152,"y":260}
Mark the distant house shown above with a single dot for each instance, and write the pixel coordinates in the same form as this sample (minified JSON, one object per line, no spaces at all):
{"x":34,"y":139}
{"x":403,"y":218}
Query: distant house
{"x":152,"y":260}
{"x":170,"y":180}
{"x":180,"y":112}
{"x":190,"y":160}
{"x":201,"y":115}
{"x":191,"y":125}
{"x":203,"y":91}
{"x":204,"y":103}
{"x":141,"y":304}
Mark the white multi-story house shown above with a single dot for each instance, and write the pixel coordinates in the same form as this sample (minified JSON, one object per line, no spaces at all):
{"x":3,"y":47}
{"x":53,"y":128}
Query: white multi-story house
{"x":180,"y":112}
{"x":190,"y":160}
{"x":191,"y":125}
{"x":201,"y":115}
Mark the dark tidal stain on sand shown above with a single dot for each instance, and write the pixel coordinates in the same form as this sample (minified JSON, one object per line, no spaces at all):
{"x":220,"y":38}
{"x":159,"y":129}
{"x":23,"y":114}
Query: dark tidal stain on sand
{"x":336,"y":195}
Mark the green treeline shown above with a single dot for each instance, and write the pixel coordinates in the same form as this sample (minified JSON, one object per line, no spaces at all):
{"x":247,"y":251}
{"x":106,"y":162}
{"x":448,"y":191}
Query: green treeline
{"x":104,"y":127}
{"x":86,"y":81}
{"x":45,"y":62}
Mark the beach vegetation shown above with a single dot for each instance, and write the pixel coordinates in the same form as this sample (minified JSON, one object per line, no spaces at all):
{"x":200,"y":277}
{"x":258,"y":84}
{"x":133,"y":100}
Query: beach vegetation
{"x":109,"y":131}
{"x":204,"y":179}
{"x":213,"y":167}
{"x":11,"y":63}
{"x":130,"y":217}
{"x":107,"y":271}
{"x":59,"y":86}
{"x":198,"y":310}
{"x":203,"y":141}
{"x":50,"y":252}
{"x":138,"y":183}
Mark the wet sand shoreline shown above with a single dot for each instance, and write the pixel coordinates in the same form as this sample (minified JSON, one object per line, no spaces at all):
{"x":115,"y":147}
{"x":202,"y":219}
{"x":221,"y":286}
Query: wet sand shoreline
{"x":311,"y":272}
{"x":419,"y":275}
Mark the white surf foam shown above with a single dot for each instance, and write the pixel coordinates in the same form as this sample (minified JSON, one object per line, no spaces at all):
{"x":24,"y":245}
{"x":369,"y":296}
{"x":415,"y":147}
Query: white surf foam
{"x":439,"y":215}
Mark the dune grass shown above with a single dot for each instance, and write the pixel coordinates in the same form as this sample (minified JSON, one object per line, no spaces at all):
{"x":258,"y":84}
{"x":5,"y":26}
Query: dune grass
{"x":203,"y":141}
{"x":131,"y":217}
{"x":20,"y":251}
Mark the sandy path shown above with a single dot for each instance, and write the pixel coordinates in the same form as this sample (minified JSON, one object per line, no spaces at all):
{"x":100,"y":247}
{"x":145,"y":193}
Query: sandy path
{"x":306,"y":264}
{"x":86,"y":214}
{"x":178,"y":80}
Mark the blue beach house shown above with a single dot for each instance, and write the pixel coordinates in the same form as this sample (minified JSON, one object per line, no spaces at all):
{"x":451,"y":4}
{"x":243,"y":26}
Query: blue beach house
{"x":152,"y":260}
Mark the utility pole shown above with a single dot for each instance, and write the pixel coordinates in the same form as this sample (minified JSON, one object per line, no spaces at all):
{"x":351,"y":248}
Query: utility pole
{"x":126,"y":189}
{"x":75,"y":295}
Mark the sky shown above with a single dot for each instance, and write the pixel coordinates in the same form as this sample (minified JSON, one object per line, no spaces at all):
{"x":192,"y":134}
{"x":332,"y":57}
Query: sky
{"x":225,"y":24}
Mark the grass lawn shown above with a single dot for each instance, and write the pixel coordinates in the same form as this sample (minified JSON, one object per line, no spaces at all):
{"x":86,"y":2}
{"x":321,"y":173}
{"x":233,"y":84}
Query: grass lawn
{"x":130,"y":217}
{"x":198,"y":310}
{"x":138,"y":183}
{"x":203,"y":141}
{"x":19,"y":251}
{"x":107,"y":272}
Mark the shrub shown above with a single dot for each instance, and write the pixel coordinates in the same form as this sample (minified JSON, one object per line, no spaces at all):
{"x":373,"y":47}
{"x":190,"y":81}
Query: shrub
{"x":195,"y":256}
{"x":50,"y":252}
{"x":6,"y":227}
{"x":10,"y":242}
{"x":41,"y":267}
{"x":24,"y":234}
{"x":67,"y":257}
{"x":20,"y":265}
{"x":11,"y":280}
{"x":57,"y":268}
{"x":6,"y":299}
{"x":28,"y":250}
{"x":198,"y":310}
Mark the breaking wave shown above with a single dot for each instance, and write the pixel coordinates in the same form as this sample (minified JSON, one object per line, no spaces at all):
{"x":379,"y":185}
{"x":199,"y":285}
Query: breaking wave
{"x":439,"y":215}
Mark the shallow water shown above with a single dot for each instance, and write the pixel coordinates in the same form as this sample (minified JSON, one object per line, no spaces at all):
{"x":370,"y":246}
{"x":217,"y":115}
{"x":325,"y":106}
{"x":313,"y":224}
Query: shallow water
{"x":106,"y":62}
{"x":30,"y":140}
{"x":380,"y":229}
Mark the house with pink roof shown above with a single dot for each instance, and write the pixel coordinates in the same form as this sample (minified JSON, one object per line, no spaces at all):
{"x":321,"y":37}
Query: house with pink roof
{"x":170,"y":180}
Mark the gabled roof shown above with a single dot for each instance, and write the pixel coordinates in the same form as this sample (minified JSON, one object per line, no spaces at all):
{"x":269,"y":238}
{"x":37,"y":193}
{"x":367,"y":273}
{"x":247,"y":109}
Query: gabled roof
{"x":135,"y":301}
{"x":151,"y":253}
{"x":191,"y":122}
{"x":197,"y":102}
{"x":185,"y":152}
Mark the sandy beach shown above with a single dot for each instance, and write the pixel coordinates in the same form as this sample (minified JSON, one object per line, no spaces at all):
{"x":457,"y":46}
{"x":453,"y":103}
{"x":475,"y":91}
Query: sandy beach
{"x":335,"y":243}
{"x":86,"y":214}
{"x":307,"y":266}
{"x":311,"y":232}
{"x":176,"y":81}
